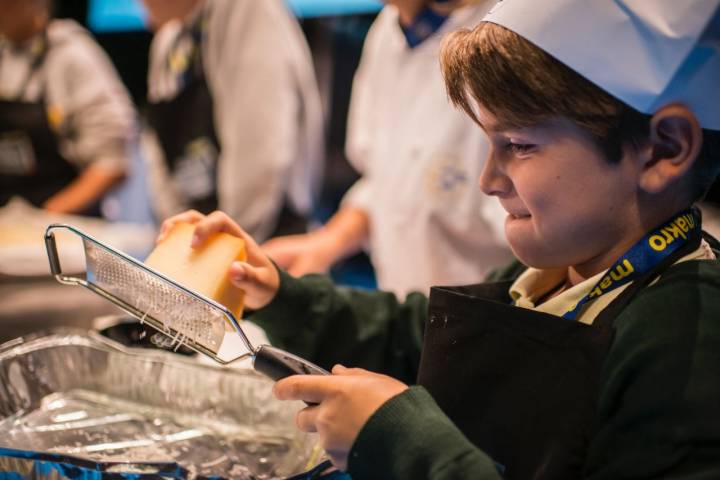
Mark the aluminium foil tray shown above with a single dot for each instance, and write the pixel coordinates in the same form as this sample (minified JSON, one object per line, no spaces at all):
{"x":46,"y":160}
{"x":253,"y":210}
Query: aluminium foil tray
{"x":74,"y":404}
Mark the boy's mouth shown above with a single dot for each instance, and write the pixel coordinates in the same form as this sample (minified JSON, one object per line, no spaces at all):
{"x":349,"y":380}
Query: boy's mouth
{"x":515,"y":210}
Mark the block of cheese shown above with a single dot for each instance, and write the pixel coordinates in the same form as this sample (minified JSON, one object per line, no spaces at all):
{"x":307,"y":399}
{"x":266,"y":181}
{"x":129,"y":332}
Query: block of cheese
{"x":203,"y":270}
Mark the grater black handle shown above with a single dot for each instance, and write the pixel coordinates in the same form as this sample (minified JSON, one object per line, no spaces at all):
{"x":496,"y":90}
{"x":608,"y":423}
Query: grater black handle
{"x":278,"y":364}
{"x":52,"y":252}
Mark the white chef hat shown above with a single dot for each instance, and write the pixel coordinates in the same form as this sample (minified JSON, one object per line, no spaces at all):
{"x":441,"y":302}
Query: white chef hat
{"x":647,"y":53}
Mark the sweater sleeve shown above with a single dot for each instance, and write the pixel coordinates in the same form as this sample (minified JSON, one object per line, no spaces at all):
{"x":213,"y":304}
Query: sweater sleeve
{"x":410,"y":437}
{"x":370,"y":329}
{"x":87,"y":101}
{"x":660,"y":391}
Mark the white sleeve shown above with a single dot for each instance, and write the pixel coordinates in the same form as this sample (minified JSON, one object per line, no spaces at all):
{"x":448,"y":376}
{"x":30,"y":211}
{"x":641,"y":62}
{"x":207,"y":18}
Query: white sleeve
{"x":93,"y":104}
{"x":257,"y":111}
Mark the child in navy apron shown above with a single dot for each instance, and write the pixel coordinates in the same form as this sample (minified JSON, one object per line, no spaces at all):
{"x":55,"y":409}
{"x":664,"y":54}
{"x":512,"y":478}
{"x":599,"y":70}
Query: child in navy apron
{"x":598,"y":356}
{"x":67,"y":125}
{"x":234,"y":113}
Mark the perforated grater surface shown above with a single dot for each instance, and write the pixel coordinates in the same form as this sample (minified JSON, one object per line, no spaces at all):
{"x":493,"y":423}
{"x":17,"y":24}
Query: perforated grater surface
{"x":187,"y":317}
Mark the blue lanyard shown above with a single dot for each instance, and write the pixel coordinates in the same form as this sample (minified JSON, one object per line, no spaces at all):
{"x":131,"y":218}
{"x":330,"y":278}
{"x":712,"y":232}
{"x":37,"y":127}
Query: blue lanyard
{"x":652,"y":249}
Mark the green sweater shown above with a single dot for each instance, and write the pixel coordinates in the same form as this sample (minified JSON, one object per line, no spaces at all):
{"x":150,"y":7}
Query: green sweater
{"x":659,"y":400}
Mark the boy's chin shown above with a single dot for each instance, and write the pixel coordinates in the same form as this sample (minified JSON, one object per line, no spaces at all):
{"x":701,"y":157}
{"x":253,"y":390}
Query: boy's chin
{"x":535,"y":257}
{"x":520,"y":237}
{"x":518,"y":229}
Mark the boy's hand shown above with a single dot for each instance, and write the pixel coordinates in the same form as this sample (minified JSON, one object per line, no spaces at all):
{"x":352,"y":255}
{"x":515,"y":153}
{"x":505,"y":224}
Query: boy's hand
{"x":258,"y":277}
{"x":346,"y":400}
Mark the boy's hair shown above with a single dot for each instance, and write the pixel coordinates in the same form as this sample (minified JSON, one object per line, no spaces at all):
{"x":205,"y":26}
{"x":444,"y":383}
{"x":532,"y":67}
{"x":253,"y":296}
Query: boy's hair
{"x":522,"y":86}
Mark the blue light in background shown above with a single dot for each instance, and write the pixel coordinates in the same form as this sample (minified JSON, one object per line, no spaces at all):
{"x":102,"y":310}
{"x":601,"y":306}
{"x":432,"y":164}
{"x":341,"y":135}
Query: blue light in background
{"x":115,"y":15}
{"x":124,"y":15}
{"x":321,"y":8}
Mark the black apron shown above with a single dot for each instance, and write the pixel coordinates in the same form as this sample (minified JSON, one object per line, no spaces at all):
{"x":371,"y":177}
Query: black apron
{"x":31,"y":165}
{"x":522,"y":385}
{"x":185,"y":128}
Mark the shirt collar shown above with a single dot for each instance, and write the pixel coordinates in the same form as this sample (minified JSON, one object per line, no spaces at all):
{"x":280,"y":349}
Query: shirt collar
{"x":426,"y":23}
{"x":533,"y":284}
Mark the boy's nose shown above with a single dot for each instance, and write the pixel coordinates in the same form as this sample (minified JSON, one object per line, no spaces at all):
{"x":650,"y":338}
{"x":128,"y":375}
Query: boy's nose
{"x":492,"y":180}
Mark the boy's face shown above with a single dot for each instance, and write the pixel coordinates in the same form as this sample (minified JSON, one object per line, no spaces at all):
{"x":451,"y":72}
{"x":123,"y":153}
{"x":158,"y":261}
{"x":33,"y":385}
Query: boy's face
{"x":567,"y":205}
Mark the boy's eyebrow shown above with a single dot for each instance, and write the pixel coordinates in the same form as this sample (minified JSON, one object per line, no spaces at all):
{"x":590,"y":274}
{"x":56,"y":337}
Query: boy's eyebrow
{"x":499,"y":127}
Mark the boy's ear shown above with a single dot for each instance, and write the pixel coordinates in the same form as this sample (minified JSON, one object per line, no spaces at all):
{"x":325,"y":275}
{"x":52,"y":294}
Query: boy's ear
{"x":675,"y":142}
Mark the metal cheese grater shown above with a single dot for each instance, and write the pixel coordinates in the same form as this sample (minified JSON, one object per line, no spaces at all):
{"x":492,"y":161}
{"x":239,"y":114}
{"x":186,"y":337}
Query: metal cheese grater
{"x":186,"y":317}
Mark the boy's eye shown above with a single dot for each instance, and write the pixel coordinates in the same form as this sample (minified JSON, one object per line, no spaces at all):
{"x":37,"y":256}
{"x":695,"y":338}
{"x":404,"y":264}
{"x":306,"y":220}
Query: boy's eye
{"x":519,"y":148}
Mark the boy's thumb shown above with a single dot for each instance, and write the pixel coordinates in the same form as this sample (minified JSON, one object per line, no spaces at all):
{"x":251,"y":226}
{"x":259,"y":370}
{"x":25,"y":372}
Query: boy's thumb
{"x":242,"y":274}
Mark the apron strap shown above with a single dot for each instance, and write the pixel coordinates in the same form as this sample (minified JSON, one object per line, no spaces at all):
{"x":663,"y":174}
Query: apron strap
{"x":712,"y":241}
{"x":34,"y":66}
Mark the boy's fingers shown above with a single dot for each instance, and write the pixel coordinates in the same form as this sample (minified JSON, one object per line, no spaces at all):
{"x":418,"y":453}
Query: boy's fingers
{"x":213,"y":223}
{"x":242,"y":274}
{"x":343,"y":370}
{"x":237,"y":272}
{"x":259,"y":284}
{"x":219,"y":221}
{"x":351,"y":371}
{"x":190,"y":216}
{"x":308,"y":388}
{"x":306,"y":419}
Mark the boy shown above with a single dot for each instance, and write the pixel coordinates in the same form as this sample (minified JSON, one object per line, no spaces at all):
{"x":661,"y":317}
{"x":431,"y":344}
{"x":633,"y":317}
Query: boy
{"x":601,"y":358}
